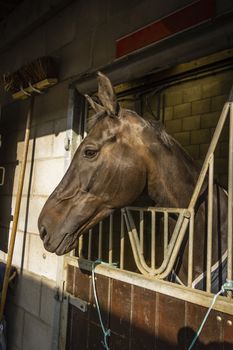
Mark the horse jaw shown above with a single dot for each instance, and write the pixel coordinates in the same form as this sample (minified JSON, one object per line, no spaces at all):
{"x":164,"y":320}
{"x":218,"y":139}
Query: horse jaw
{"x":61,"y":223}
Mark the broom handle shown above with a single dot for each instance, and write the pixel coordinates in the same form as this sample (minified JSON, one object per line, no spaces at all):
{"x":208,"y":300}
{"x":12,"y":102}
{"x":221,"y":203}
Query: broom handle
{"x":16,"y":212}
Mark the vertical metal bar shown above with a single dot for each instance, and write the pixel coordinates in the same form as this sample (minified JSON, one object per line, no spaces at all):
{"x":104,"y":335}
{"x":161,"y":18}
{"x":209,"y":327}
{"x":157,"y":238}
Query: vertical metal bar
{"x":230,"y":198}
{"x":110,"y":239}
{"x":80,"y":246}
{"x":89,"y":244}
{"x":165,"y":232}
{"x":212,"y":147}
{"x":141,"y":231}
{"x":190,"y":252}
{"x":153,"y":223}
{"x":210,"y":224}
{"x":122,"y":244}
{"x":100,"y":243}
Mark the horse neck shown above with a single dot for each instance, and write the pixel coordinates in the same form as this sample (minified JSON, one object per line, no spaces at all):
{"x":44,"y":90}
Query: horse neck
{"x":172,"y":175}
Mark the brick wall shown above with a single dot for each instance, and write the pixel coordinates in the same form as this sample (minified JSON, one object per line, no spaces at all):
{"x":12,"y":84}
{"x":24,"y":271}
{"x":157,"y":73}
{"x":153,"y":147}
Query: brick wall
{"x":191,"y":111}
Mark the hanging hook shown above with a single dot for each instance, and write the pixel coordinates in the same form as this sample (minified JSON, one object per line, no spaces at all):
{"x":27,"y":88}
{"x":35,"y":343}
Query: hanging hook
{"x":34,"y":89}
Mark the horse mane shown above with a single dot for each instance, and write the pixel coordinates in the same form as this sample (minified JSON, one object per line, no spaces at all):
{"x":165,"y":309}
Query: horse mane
{"x":166,"y":139}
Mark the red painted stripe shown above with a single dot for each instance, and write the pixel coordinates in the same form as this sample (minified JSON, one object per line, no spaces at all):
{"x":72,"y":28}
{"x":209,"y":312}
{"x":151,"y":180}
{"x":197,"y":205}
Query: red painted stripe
{"x":178,"y":21}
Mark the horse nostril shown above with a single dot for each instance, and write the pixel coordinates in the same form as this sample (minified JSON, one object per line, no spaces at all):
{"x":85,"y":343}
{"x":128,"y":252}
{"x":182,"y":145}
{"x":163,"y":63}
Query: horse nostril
{"x":43,"y":232}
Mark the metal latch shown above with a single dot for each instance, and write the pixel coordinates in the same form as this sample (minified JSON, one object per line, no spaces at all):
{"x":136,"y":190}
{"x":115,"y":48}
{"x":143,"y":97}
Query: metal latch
{"x":77,"y":302}
{"x":2,"y":176}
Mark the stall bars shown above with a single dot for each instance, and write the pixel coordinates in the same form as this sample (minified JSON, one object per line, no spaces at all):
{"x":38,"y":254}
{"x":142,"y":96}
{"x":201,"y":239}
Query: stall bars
{"x":185,"y":221}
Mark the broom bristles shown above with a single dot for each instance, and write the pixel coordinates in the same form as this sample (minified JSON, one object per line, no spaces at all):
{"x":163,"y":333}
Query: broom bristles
{"x":38,"y":70}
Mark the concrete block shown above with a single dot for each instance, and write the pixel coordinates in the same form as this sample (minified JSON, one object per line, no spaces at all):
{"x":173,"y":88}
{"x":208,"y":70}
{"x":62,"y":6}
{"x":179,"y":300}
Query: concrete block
{"x":59,"y":145}
{"x":204,"y":149}
{"x":15,"y":324}
{"x":193,"y":150}
{"x":200,"y":136}
{"x":183,"y":110}
{"x":48,"y":174}
{"x":191,"y":123}
{"x":27,"y":179}
{"x":44,"y":147}
{"x":209,"y":120}
{"x":218,"y":102}
{"x":36,"y":334}
{"x":29,"y":213}
{"x":21,"y":252}
{"x":51,"y":106}
{"x":191,"y":94}
{"x":40,"y":261}
{"x":48,"y":301}
{"x":173,"y":98}
{"x":173,"y":126}
{"x":20,"y":148}
{"x":183,"y":138}
{"x":214,"y":88}
{"x":168,"y":113}
{"x":201,"y":106}
{"x":28,"y":292}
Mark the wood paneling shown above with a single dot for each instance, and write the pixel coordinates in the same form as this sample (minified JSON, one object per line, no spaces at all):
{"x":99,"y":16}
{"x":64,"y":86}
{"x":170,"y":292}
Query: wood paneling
{"x":140,"y":319}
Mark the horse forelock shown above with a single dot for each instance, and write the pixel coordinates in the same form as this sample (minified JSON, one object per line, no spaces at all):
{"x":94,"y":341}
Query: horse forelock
{"x":94,"y":119}
{"x":156,"y":125}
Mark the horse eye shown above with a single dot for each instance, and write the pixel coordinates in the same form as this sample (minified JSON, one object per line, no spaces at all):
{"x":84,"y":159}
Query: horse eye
{"x":90,"y":153}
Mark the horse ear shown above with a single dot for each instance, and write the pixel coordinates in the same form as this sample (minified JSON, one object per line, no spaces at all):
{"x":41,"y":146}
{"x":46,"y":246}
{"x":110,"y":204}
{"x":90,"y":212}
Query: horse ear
{"x":107,"y":94}
{"x":97,"y":108}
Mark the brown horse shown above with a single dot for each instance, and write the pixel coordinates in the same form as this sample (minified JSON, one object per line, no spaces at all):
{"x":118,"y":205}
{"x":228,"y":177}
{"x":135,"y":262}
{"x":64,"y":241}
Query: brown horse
{"x":122,"y":157}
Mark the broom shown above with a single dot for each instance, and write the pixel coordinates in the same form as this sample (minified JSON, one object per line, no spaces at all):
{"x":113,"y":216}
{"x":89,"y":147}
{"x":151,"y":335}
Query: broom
{"x":35,"y":76}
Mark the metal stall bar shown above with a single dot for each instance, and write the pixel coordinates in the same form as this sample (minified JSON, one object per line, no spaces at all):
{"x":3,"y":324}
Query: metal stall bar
{"x":122,"y":242}
{"x":176,"y":249}
{"x":141,"y":230}
{"x":153,"y":244}
{"x":165,"y":232}
{"x":210,"y":223}
{"x":211,"y":150}
{"x":100,"y":242}
{"x":80,"y":246}
{"x":110,"y":239}
{"x":137,"y":254}
{"x":136,"y":244}
{"x":89,"y":244}
{"x":190,"y":250}
{"x":230,"y":195}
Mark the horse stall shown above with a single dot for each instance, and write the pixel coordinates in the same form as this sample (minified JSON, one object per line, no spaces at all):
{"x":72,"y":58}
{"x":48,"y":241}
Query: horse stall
{"x":127,"y":249}
{"x":142,"y":277}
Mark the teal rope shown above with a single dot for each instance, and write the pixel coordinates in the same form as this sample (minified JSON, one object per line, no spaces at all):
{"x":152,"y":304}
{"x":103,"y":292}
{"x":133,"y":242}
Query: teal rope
{"x":228,"y":286}
{"x":106,"y":332}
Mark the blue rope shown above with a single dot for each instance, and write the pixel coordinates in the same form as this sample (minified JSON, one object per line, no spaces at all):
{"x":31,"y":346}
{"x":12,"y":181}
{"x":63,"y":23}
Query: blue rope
{"x":228,"y":286}
{"x":106,"y":332}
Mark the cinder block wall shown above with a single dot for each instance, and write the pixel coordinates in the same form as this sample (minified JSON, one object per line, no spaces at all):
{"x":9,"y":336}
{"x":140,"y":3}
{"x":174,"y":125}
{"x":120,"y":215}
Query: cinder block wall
{"x":30,"y":311}
{"x":191,"y":111}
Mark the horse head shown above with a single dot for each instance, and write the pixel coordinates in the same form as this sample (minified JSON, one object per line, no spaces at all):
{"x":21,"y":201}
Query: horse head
{"x":108,"y":171}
